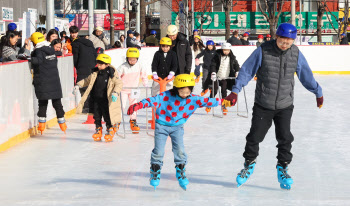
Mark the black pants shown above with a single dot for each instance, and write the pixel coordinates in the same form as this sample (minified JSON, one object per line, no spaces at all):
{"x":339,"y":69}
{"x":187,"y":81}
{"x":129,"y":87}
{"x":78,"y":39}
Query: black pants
{"x":261,"y":123}
{"x":225,"y":84}
{"x":57,"y":105}
{"x":101,"y":110}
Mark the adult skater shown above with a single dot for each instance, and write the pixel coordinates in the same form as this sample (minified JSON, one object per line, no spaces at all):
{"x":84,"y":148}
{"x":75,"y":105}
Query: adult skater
{"x":274,"y":63}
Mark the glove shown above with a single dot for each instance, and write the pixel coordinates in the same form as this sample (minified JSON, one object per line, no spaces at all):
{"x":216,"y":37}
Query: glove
{"x":155,"y":76}
{"x":225,"y":103}
{"x":197,"y":62}
{"x":232,"y":98}
{"x":319,"y":102}
{"x":75,"y":90}
{"x":171,"y":74}
{"x":213,"y":76}
{"x":114,"y":97}
{"x":133,"y":108}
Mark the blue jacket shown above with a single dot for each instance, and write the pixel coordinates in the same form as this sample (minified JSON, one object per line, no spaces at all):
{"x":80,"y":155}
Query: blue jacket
{"x":253,"y":63}
{"x":174,"y":110}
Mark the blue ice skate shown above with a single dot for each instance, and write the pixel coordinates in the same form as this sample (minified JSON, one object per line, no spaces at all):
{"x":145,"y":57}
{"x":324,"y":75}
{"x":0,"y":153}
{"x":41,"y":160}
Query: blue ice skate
{"x":284,"y":178}
{"x":181,"y":176}
{"x":245,"y":173}
{"x":155,"y":175}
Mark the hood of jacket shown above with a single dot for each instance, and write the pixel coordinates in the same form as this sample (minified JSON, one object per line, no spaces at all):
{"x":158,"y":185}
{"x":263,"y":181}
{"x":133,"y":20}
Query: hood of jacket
{"x":42,"y":44}
{"x":181,"y":36}
{"x":84,"y":41}
{"x":110,"y":70}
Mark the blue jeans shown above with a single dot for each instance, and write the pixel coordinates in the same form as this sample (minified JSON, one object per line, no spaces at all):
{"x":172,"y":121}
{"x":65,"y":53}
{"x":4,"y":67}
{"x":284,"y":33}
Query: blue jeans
{"x":176,"y":134}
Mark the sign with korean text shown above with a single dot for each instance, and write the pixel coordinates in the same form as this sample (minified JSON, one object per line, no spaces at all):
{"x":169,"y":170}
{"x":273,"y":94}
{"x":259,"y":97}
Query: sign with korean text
{"x":7,"y":14}
{"x":119,"y":20}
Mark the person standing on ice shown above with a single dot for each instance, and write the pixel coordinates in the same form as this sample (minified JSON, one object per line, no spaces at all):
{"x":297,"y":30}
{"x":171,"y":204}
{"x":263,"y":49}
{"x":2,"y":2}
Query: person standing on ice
{"x":173,"y":108}
{"x":131,"y":72}
{"x":103,"y":86}
{"x":274,"y":63}
{"x":46,"y":80}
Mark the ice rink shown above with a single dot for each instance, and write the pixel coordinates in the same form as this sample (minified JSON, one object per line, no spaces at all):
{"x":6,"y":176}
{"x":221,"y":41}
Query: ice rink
{"x":72,"y":169}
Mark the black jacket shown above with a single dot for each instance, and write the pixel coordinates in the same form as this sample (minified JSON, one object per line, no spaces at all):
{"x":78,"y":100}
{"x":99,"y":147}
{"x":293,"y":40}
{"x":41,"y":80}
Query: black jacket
{"x":215,"y":66}
{"x":191,"y":40}
{"x":208,"y":56}
{"x":234,"y":41}
{"x":344,"y":41}
{"x":99,"y":90}
{"x":215,"y":63}
{"x":163,"y":66}
{"x":244,"y":42}
{"x":84,"y":55}
{"x":184,"y":54}
{"x":46,"y":81}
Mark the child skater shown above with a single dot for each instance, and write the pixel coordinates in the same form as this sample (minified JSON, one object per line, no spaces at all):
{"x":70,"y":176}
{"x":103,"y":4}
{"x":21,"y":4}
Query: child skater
{"x":197,"y":48}
{"x":207,"y":55}
{"x":174,"y":107}
{"x":164,"y":64}
{"x":223,"y":66}
{"x":46,"y":80}
{"x":130,"y":72}
{"x":105,"y":86}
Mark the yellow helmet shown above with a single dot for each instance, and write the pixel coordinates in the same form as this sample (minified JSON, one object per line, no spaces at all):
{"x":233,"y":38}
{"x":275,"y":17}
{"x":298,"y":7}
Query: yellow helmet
{"x":172,"y":30}
{"x":184,"y":80}
{"x":133,"y":52}
{"x":197,"y":36}
{"x":166,"y":41}
{"x":104,"y":58}
{"x":37,"y":37}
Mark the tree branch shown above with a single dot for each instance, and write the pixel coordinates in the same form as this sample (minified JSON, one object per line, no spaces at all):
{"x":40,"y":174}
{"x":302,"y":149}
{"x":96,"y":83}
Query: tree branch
{"x":264,"y":13}
{"x":150,"y":2}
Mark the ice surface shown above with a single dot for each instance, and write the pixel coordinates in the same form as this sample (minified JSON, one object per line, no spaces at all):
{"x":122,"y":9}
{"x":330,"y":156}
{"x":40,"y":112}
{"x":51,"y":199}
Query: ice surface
{"x":71,"y":169}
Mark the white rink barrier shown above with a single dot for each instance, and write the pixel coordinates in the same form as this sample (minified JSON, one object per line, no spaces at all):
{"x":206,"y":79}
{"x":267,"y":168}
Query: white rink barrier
{"x":322,"y":59}
{"x":19,"y":105}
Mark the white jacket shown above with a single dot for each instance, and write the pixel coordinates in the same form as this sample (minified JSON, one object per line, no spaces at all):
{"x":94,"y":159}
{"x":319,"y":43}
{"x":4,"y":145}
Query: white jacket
{"x":131,"y":75}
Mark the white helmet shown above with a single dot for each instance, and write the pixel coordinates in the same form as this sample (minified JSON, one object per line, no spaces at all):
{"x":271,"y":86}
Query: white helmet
{"x":172,"y":30}
{"x":226,"y":46}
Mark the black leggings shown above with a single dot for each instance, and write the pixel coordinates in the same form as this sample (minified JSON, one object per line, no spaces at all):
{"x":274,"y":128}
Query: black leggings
{"x":57,"y":105}
{"x":225,"y":84}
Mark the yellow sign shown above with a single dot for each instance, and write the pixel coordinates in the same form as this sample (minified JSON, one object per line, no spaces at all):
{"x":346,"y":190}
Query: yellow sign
{"x":341,"y":15}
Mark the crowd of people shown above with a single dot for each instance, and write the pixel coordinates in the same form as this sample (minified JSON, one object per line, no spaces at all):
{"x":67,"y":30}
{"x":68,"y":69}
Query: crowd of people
{"x":105,"y":88}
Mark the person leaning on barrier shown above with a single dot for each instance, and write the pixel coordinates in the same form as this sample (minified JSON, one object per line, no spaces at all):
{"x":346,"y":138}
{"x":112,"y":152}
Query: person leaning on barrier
{"x":182,"y":49}
{"x":344,"y":39}
{"x":104,"y":87}
{"x":46,"y":80}
{"x":8,"y":49}
{"x":234,"y":40}
{"x":98,"y":38}
{"x":60,"y":49}
{"x":151,"y":40}
{"x":223,"y":66}
{"x":275,"y":62}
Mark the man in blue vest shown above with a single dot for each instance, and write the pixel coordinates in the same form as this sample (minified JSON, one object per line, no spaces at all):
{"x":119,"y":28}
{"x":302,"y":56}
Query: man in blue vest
{"x":274,"y":64}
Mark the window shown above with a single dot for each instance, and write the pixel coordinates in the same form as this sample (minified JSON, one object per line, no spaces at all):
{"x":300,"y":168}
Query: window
{"x":85,"y":4}
{"x":58,"y":4}
{"x":100,"y":4}
{"x":75,"y":4}
{"x":115,"y":4}
{"x":217,"y":6}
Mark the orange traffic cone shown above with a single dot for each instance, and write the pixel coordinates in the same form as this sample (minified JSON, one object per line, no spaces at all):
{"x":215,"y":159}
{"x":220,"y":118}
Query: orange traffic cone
{"x":90,"y":120}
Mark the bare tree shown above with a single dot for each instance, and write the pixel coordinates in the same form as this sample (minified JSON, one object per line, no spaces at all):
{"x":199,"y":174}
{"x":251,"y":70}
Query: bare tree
{"x":143,"y":5}
{"x":227,"y":7}
{"x":67,"y":5}
{"x":321,"y":9}
{"x":342,"y":23}
{"x":272,"y":7}
{"x":111,"y":20}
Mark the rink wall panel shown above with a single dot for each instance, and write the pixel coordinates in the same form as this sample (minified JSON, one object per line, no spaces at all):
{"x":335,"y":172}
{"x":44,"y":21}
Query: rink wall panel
{"x":322,"y":59}
{"x":19,"y":105}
